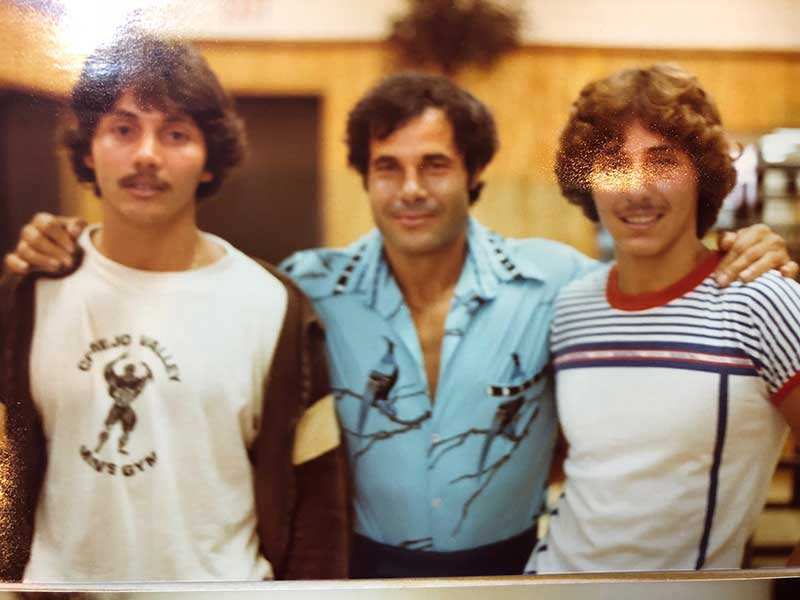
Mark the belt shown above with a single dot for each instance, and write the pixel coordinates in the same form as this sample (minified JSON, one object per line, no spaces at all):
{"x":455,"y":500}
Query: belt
{"x":371,"y":559}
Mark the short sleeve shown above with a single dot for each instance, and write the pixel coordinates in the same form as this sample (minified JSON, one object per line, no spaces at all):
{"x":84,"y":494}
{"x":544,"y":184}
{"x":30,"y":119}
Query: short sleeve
{"x":774,"y":306}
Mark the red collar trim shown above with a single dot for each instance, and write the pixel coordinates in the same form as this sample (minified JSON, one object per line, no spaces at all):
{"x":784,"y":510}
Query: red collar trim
{"x":622,"y":301}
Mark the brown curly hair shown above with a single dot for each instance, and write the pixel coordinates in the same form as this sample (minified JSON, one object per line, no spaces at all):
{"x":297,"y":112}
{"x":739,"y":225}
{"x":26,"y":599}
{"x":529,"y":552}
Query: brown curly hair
{"x":164,"y":75}
{"x":396,"y":100}
{"x":667,"y":100}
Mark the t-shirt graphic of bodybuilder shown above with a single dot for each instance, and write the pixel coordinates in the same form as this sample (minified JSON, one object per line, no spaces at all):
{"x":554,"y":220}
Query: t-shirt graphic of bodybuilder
{"x":123,"y":388}
{"x":126,"y":378}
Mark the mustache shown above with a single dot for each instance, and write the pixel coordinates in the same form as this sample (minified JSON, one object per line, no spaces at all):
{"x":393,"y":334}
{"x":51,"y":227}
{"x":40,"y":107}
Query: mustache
{"x":401,"y":208}
{"x":137,"y":179}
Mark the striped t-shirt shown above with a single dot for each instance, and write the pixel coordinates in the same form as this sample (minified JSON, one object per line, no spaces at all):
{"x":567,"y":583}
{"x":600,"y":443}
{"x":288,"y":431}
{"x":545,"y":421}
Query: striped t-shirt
{"x":668,"y":402}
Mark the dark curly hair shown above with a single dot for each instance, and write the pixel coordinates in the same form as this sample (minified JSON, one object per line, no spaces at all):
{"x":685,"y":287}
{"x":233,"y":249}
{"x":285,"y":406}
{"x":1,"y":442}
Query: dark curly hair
{"x":665,"y":99}
{"x":167,"y":76}
{"x":399,"y":98}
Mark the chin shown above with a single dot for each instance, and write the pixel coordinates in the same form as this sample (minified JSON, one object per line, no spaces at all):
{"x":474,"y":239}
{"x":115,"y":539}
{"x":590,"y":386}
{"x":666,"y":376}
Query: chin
{"x":418,"y":247}
{"x":145,"y":218}
{"x":640,"y":248}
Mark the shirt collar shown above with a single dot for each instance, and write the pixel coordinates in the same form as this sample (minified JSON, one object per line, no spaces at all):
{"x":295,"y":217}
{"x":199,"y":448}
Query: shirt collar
{"x":489,"y":262}
{"x":496,"y":260}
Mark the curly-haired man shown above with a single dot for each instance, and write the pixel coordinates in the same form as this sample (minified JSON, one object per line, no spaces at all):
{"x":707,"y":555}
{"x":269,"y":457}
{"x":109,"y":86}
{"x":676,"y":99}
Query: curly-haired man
{"x":674,"y":393}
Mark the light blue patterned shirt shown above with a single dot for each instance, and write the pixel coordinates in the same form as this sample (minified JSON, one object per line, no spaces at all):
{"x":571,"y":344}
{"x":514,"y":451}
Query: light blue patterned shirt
{"x":469,"y":469}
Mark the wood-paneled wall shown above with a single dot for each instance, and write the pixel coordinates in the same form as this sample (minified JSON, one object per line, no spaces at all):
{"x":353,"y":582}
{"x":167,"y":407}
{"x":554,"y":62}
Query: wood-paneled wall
{"x":529,"y":92}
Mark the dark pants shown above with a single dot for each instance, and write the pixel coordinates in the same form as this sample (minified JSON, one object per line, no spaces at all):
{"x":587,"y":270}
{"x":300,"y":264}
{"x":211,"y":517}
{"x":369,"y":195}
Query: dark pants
{"x":372,"y":560}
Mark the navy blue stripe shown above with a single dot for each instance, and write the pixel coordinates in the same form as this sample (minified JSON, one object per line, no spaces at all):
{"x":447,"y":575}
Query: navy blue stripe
{"x":789,"y":288}
{"x":560,"y":338}
{"x":790,"y":295}
{"x":684,"y":322}
{"x":758,"y":366}
{"x":638,"y":330}
{"x":585,"y":314}
{"x":582,"y":310}
{"x":780,"y":313}
{"x":683,"y":309}
{"x":559,"y":344}
{"x":752,"y":352}
{"x":714,"y":303}
{"x":722,"y":424}
{"x":650,"y":345}
{"x":768,"y":343}
{"x":590,"y":328}
{"x":663,"y":364}
{"x":703,"y":295}
{"x":784,"y":321}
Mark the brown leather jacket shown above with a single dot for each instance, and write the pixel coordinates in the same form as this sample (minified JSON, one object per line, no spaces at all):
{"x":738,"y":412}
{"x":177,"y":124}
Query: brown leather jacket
{"x":302,"y":498}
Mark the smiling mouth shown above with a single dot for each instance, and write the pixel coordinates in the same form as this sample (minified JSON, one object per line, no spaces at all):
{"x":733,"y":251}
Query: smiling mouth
{"x":412,"y":218}
{"x":641,"y":220}
{"x":144,"y":189}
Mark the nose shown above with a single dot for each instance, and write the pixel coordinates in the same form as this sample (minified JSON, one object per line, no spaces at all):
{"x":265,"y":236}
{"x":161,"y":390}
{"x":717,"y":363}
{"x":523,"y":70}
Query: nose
{"x":412,"y":189}
{"x":147,"y":158}
{"x":635,"y":181}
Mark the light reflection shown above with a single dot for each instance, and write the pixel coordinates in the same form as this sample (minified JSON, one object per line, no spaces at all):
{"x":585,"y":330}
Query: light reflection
{"x":781,"y":146}
{"x":84,"y":25}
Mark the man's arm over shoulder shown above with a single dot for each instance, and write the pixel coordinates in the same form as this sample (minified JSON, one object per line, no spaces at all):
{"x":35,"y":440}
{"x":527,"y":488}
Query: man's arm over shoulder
{"x":303,"y":490}
{"x":46,"y":243}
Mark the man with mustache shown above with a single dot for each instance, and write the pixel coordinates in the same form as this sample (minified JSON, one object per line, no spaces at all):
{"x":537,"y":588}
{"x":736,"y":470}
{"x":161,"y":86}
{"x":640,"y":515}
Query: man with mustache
{"x":231,"y":466}
{"x":674,"y":393}
{"x":437,"y":338}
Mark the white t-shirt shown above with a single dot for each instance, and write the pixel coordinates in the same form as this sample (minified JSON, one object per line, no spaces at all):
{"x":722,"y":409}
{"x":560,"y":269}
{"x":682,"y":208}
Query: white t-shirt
{"x":665,"y":402}
{"x":149,"y":386}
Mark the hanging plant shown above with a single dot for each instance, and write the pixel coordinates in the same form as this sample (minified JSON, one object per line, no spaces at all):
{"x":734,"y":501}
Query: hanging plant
{"x":450,"y":34}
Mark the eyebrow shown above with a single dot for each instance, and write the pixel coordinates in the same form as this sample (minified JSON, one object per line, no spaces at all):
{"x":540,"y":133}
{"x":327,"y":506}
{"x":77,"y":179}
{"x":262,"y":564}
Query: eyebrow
{"x":437,"y":156}
{"x":117,"y":112}
{"x":663,"y":148}
{"x":383,"y":158}
{"x":431,"y":156}
{"x":610,"y":151}
{"x":170,"y":117}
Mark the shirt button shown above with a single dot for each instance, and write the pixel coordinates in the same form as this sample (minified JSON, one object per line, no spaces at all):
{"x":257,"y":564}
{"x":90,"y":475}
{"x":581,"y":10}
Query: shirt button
{"x":436,"y":503}
{"x":436,"y":438}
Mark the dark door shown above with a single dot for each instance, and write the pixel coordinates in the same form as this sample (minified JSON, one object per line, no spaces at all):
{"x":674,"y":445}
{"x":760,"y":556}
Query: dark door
{"x":29,"y":179}
{"x":269,"y":207}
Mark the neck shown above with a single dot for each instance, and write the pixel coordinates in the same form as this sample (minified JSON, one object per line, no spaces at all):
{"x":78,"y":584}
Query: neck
{"x":176,"y":247}
{"x":424,"y":278}
{"x":644,"y":274}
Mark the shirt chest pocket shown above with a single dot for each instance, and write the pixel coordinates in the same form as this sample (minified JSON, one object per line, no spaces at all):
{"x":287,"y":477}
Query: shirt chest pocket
{"x":512,"y":400}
